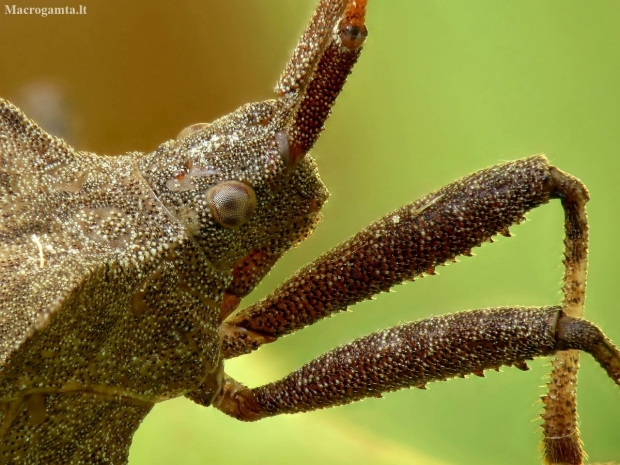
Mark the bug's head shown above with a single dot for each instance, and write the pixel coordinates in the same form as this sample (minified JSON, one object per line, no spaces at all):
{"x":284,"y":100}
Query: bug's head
{"x":244,"y":186}
{"x":235,"y":186}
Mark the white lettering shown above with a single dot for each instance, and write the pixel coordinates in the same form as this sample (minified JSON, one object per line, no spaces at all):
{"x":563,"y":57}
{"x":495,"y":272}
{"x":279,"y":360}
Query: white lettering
{"x":44,"y":11}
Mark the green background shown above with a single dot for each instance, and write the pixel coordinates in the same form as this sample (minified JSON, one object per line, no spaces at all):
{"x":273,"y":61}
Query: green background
{"x":443,"y":88}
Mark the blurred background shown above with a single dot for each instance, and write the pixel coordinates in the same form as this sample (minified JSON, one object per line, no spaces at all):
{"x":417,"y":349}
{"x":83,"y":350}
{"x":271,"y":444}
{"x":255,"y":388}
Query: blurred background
{"x":443,"y":88}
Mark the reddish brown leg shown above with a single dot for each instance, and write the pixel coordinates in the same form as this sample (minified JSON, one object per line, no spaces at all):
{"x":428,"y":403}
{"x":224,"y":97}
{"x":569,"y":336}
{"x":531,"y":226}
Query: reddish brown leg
{"x":414,"y":354}
{"x":403,"y":245}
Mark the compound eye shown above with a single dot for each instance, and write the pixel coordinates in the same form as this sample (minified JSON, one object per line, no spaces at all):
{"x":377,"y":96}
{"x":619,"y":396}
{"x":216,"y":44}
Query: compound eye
{"x":232,"y":203}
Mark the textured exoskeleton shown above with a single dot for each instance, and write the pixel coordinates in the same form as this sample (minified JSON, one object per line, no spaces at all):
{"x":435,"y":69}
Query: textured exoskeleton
{"x":120,"y":277}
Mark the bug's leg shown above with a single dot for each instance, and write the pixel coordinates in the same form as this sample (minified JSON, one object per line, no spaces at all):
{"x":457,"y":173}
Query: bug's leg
{"x":403,"y":245}
{"x":412,"y":241}
{"x":561,"y":441}
{"x":414,"y":354}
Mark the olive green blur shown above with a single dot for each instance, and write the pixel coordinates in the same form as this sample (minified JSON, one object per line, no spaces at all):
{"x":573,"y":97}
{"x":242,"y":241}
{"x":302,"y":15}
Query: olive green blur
{"x":443,"y":88}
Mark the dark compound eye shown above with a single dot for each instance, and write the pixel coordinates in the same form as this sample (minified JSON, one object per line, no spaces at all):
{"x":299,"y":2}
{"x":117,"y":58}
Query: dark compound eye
{"x":232,"y":203}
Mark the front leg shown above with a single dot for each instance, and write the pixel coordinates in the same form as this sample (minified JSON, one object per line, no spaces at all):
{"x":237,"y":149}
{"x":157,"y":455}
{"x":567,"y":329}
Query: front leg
{"x":403,"y":245}
{"x":414,"y":354}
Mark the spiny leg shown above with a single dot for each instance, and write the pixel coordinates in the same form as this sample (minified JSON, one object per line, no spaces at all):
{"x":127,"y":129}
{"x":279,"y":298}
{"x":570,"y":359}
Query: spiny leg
{"x":414,"y":354}
{"x":403,"y":245}
{"x":561,"y":441}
